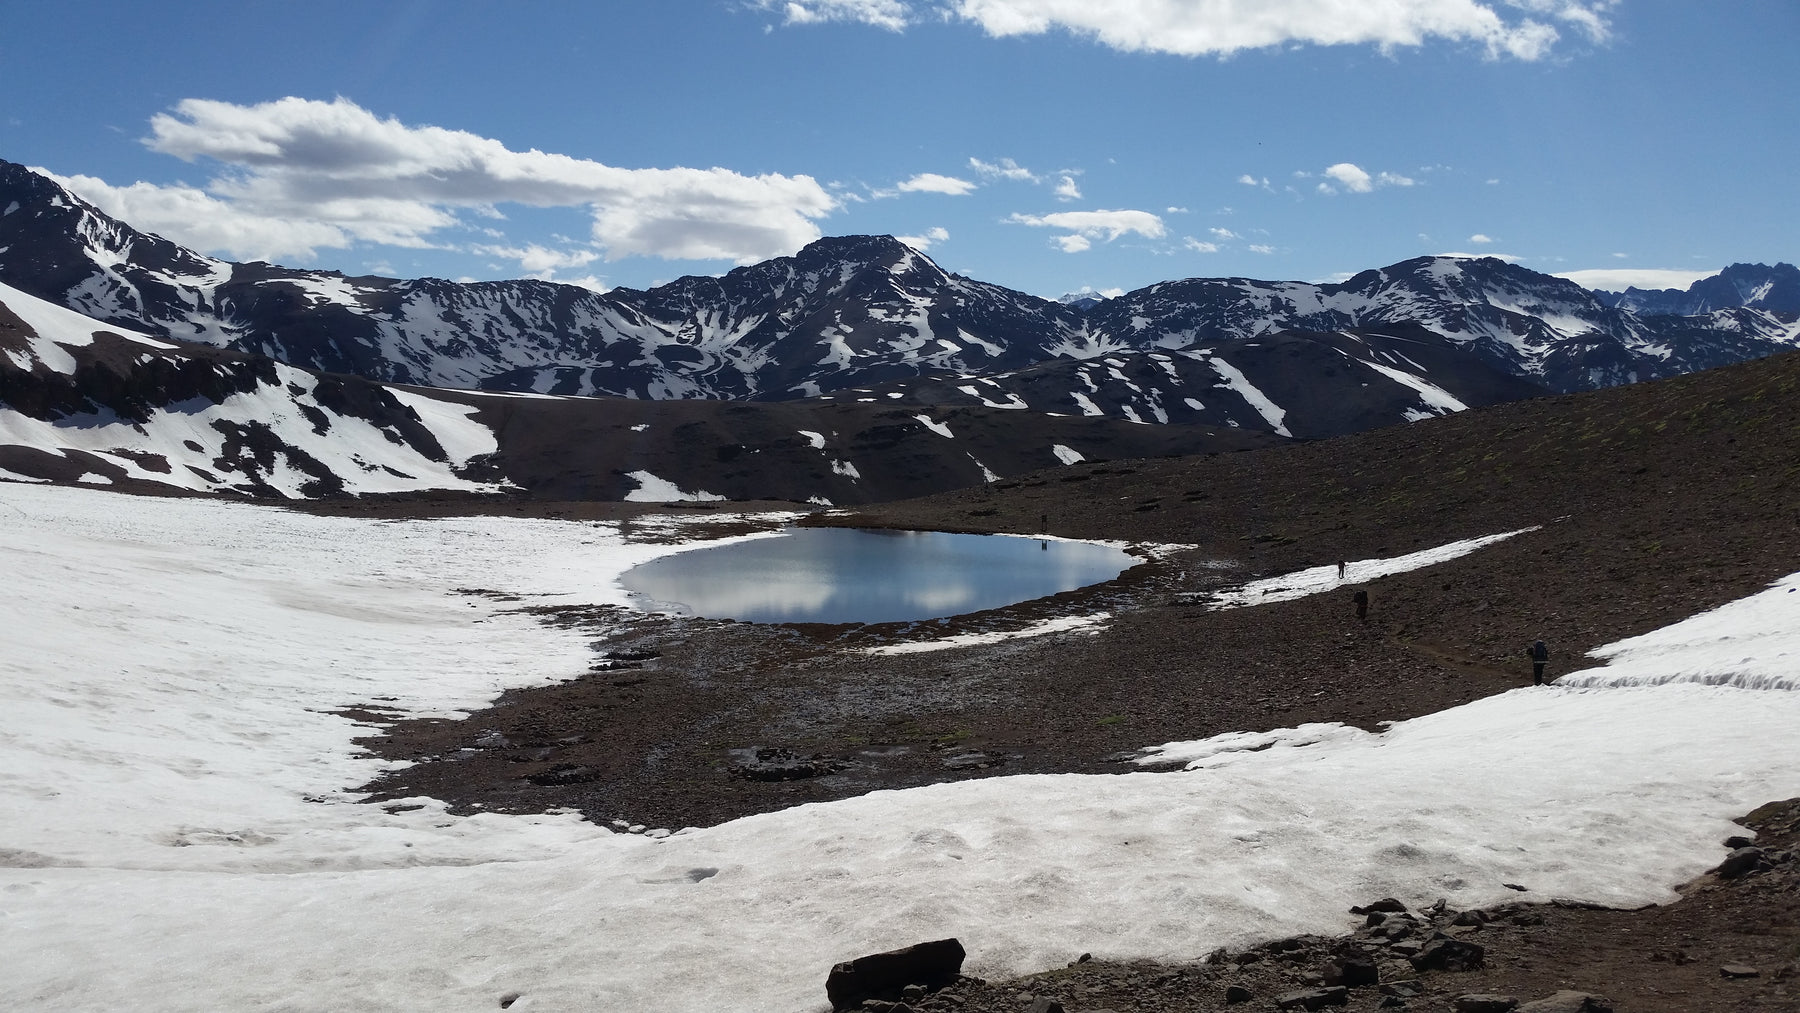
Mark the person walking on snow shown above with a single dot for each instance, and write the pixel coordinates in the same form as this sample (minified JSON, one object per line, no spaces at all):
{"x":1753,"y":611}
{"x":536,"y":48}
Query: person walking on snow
{"x":1540,"y":656}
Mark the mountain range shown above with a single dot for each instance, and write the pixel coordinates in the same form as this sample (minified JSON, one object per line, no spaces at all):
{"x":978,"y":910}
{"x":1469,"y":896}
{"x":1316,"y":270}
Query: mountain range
{"x":846,"y":373}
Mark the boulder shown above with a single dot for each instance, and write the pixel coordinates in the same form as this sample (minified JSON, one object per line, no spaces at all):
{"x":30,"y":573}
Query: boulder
{"x":1739,"y":971}
{"x":1235,"y":994}
{"x":1741,"y":861}
{"x":1385,"y":904}
{"x":1483,"y":1003}
{"x":932,"y":964}
{"x":1448,"y":954}
{"x":1352,"y":972}
{"x":1044,"y":1005}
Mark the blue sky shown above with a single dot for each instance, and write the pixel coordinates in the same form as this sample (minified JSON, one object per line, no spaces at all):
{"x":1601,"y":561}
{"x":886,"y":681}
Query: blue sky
{"x":1048,"y":145}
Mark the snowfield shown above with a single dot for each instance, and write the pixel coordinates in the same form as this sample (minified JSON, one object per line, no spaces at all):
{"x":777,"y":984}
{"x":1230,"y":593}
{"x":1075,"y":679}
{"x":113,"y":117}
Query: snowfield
{"x":177,"y":833}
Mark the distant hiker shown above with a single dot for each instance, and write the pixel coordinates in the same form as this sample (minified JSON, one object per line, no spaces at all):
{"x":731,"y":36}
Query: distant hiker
{"x":1361,"y":598}
{"x":1343,"y":568}
{"x":1540,"y":656}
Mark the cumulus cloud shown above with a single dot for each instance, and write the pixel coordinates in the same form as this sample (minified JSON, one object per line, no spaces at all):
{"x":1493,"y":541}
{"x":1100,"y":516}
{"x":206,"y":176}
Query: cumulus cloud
{"x":1067,"y":190}
{"x":323,"y":166}
{"x":1480,"y":239}
{"x":1219,"y":233}
{"x":1073,"y":244}
{"x":931,"y":182}
{"x":1198,"y":245}
{"x":1355,"y":179}
{"x":1006,"y":168}
{"x":1090,"y":225}
{"x":1520,"y":29}
{"x":936,"y":234}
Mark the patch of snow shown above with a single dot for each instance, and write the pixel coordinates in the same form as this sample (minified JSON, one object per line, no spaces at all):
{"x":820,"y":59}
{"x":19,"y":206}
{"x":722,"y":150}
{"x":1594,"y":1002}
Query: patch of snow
{"x":816,"y":439}
{"x":1067,"y":455}
{"x":1068,"y":624}
{"x":939,"y":428}
{"x":1273,"y":414}
{"x":1086,"y":404}
{"x":656,"y":490}
{"x":1314,"y":580}
{"x":846,"y":469}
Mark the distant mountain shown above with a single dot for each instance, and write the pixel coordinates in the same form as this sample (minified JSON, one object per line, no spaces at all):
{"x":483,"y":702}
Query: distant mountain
{"x":1775,"y":289}
{"x":864,"y":329}
{"x":82,"y":401}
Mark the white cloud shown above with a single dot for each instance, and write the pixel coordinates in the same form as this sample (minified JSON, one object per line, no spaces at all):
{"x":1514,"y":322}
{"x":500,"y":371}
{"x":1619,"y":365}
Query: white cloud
{"x":1352,"y":177}
{"x":1073,"y":244}
{"x":1219,"y":233}
{"x":336,"y":166}
{"x":1006,"y":168}
{"x":1618,"y":279}
{"x":931,"y":182}
{"x":1067,"y":190}
{"x":1480,"y":239}
{"x":1107,"y":225}
{"x":892,"y":15}
{"x":1508,"y":257}
{"x":540,"y":261}
{"x":936,"y":234}
{"x":1222,"y":27}
{"x":1355,"y":179}
{"x":1262,"y":248}
{"x":1199,"y":246}
{"x":194,"y":218}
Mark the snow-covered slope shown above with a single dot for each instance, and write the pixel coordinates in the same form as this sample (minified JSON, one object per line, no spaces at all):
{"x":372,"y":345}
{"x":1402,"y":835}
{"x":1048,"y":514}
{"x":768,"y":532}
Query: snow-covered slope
{"x":80,"y":401}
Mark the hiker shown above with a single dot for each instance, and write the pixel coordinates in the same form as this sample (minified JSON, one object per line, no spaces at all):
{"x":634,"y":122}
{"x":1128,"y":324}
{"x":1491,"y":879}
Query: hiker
{"x":1343,"y":568}
{"x":1361,"y":598}
{"x":1540,"y":656}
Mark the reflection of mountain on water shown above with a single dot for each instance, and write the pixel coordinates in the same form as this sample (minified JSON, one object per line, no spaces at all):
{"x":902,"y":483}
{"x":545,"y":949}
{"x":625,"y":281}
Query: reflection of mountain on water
{"x":844,"y":575}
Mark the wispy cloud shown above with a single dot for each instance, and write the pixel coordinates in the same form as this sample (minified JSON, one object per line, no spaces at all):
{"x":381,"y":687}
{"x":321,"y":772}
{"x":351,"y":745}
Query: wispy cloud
{"x":1520,"y":29}
{"x":931,"y":182}
{"x":1086,"y":226}
{"x":936,"y":234}
{"x":1618,"y":279}
{"x":1005,"y":168}
{"x":892,"y":15}
{"x":299,"y":174}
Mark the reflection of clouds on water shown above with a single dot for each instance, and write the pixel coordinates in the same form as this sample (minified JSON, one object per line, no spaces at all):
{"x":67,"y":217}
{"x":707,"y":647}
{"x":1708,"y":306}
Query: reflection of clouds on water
{"x":838,"y":575}
{"x":942,"y":599}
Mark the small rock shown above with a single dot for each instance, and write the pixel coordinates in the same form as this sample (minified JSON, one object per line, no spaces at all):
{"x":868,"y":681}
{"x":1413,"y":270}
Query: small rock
{"x":1469,"y":918}
{"x":1353,"y":972}
{"x":913,"y":992}
{"x":509,"y":998}
{"x":1314,"y":998}
{"x":1483,"y":1003}
{"x":1385,"y":904}
{"x":1567,"y":1001}
{"x":1235,"y":994}
{"x":1738,"y":841}
{"x":1739,"y":971}
{"x":1411,"y":988}
{"x":1043,"y":1005}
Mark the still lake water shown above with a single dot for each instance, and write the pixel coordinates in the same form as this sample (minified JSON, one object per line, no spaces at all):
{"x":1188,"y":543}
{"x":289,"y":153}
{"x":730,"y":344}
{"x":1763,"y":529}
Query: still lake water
{"x":848,"y":575}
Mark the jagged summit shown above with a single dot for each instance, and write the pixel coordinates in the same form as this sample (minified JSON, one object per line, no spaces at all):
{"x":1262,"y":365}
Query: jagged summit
{"x":848,"y":314}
